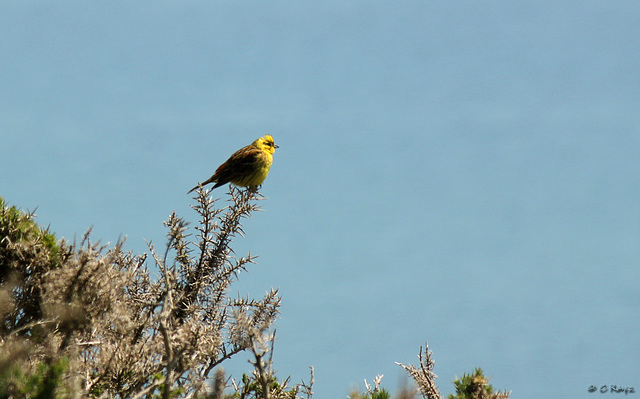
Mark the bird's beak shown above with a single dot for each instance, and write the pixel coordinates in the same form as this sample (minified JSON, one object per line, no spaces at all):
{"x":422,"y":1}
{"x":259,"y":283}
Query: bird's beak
{"x":276,"y":146}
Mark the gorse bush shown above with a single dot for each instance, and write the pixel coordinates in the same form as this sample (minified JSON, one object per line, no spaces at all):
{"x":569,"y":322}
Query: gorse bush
{"x":475,"y":386}
{"x":27,"y":252}
{"x":84,"y":319}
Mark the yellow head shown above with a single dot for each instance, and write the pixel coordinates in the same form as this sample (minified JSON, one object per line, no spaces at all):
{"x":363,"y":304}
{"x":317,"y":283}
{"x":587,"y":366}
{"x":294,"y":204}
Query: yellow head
{"x":266,"y":143}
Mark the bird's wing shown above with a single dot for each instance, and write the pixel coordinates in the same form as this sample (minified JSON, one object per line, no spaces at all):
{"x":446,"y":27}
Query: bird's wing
{"x":240,"y":164}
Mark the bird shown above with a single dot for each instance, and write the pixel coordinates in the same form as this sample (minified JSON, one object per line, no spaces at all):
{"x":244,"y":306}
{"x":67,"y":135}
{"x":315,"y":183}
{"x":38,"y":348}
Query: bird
{"x":247,"y":167}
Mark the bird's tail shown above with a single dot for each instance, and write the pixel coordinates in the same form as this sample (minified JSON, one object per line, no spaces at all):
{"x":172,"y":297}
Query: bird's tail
{"x":209,"y":180}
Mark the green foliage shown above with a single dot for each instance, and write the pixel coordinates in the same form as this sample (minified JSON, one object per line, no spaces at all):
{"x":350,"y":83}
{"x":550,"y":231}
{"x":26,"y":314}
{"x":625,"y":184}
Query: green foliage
{"x":376,"y":394}
{"x":373,"y":392}
{"x":27,"y":253}
{"x":252,"y":387}
{"x":472,"y":386}
{"x":44,"y":382}
{"x":17,"y":226}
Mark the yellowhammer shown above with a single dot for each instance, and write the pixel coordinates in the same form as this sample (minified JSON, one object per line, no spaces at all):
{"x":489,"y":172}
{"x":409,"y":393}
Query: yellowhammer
{"x":247,"y":167}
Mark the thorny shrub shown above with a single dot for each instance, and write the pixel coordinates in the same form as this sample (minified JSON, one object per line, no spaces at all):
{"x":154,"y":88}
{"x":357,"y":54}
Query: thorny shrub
{"x":87,"y":320}
{"x":84,"y":320}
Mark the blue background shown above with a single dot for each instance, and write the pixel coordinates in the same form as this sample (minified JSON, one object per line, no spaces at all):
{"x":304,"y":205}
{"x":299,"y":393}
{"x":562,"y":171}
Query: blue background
{"x":462,"y":173}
